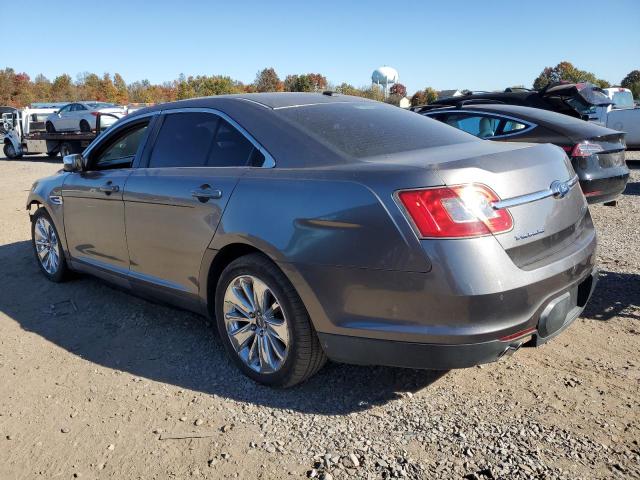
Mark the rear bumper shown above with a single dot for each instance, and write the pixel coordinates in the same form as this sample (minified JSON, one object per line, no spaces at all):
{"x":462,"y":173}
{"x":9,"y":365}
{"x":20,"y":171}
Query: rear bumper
{"x":604,"y":189}
{"x":557,"y":315}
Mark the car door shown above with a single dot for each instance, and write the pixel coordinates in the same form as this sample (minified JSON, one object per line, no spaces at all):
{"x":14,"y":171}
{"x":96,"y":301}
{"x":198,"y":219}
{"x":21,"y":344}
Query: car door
{"x":62,"y":120}
{"x":93,"y":204}
{"x":174,"y":205}
{"x":79,"y":113}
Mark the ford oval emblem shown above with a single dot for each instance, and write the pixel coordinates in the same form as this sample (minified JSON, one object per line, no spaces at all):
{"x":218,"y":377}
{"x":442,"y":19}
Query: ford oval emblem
{"x":560,"y":189}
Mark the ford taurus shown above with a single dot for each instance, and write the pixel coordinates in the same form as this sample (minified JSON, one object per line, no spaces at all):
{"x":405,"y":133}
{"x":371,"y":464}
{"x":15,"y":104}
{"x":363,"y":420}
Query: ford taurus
{"x":315,"y":226}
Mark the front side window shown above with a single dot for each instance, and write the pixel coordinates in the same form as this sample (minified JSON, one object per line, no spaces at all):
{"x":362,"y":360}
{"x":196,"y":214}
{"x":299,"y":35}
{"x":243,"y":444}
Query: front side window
{"x":65,"y":109}
{"x":120,"y":150}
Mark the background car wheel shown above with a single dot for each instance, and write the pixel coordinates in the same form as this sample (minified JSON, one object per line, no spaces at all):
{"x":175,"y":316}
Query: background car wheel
{"x":47,"y":248}
{"x":264,"y":325}
{"x":9,"y":151}
{"x":84,"y":126}
{"x":52,"y":154}
{"x":65,"y":149}
{"x":49,"y":127}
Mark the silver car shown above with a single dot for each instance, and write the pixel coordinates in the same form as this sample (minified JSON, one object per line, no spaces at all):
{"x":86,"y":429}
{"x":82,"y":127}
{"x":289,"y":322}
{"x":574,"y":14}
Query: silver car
{"x":315,"y":226}
{"x":83,"y":117}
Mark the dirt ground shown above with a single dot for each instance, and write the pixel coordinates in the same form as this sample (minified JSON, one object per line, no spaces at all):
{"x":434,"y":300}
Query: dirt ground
{"x":95,"y":383}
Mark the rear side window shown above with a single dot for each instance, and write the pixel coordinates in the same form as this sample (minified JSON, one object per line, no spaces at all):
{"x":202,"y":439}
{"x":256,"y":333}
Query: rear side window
{"x":367,"y":129}
{"x":184,"y":140}
{"x":202,"y":139}
{"x":478,"y":125}
{"x":231,"y":148}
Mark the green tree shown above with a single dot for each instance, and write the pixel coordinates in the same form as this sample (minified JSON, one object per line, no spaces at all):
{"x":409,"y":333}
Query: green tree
{"x":122,"y":94}
{"x":63,"y":89}
{"x":632,"y":82}
{"x":423,"y":97}
{"x":267,"y":80}
{"x":566,"y":71}
{"x":109,"y":92}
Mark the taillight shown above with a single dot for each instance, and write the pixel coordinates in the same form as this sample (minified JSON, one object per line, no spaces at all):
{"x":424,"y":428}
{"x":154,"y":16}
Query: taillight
{"x":95,"y":114}
{"x":585,"y":149}
{"x":456,"y":211}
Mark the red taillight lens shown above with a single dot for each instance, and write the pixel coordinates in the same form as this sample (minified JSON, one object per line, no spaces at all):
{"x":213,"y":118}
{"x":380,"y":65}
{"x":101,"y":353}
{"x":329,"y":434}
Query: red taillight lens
{"x":585,"y":149}
{"x":456,"y":211}
{"x":95,"y":114}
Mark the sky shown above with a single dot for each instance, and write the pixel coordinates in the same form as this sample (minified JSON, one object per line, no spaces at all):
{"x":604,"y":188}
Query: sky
{"x":441,"y":44}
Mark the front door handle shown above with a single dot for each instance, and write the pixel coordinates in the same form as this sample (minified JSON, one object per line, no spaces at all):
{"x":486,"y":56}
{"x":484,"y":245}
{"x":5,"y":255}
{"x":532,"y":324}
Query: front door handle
{"x":108,"y":188}
{"x":205,"y":193}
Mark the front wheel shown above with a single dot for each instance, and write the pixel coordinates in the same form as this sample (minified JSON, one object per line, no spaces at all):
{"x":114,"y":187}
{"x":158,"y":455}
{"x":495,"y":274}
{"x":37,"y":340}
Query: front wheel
{"x":47,"y":248}
{"x":10,"y":151}
{"x":49,"y":127}
{"x":264,"y":325}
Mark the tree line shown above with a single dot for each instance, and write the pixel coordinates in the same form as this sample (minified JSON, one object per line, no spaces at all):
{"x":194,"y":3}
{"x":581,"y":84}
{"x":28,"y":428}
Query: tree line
{"x":19,"y":90}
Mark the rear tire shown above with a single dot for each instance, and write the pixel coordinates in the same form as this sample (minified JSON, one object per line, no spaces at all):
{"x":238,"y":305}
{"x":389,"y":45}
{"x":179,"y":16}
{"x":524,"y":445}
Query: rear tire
{"x":49,"y":127}
{"x":84,"y":126}
{"x":47,"y":248}
{"x":293,"y":353}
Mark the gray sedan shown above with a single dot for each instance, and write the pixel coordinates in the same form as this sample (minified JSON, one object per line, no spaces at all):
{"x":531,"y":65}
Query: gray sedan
{"x":315,"y":226}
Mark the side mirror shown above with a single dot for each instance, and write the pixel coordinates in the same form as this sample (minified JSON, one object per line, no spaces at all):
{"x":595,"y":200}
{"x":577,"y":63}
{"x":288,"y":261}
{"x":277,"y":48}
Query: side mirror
{"x":73,"y":163}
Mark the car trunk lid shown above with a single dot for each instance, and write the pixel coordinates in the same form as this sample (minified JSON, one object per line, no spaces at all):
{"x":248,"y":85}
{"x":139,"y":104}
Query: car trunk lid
{"x":523,"y":179}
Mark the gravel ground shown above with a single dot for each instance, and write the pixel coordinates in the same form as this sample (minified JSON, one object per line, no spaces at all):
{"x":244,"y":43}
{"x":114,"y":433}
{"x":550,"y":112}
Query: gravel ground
{"x":96,"y":383}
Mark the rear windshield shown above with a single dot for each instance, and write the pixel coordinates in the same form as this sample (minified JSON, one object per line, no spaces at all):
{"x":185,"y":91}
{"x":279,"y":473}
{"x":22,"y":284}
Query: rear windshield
{"x":368,"y":129}
{"x":100,"y":105}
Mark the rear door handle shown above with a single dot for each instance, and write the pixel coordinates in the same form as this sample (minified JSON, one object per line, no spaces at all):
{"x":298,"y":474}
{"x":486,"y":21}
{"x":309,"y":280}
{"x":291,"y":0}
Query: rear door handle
{"x":205,"y":193}
{"x":108,"y":188}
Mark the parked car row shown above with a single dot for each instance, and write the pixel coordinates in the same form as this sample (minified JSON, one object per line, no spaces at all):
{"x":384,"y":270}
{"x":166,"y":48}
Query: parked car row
{"x":597,"y":153}
{"x":315,"y":226}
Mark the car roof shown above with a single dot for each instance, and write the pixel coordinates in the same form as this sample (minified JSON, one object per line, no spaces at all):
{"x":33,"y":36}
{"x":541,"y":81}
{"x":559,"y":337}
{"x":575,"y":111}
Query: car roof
{"x":271,"y":100}
{"x":558,"y":122}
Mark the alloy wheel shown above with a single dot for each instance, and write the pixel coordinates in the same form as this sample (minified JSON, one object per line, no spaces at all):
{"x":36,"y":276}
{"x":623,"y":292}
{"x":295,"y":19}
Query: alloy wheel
{"x":256,"y":324}
{"x":47,"y":246}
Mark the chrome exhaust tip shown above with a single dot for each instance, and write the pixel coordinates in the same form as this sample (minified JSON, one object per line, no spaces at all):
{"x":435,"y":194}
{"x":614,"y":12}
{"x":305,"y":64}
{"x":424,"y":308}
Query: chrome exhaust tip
{"x":511,"y":349}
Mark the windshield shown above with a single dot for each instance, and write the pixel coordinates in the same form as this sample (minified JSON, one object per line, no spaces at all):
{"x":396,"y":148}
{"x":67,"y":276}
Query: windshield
{"x":623,"y":99}
{"x":367,"y":129}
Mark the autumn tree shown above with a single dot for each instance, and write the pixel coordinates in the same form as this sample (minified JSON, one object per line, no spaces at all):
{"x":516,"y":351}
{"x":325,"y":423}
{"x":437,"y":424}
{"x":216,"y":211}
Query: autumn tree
{"x":398,"y":89}
{"x":423,"y":97}
{"x":566,"y":71}
{"x":267,"y":80}
{"x":308,"y":82}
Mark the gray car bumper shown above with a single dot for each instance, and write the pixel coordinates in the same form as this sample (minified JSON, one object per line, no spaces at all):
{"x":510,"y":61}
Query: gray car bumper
{"x":556,"y":316}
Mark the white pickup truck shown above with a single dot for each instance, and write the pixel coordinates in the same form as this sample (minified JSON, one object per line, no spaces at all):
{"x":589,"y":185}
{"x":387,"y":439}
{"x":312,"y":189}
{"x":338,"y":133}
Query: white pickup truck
{"x":621,"y":114}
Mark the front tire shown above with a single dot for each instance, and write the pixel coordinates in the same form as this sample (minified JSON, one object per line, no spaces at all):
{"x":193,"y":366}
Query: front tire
{"x":49,"y":127}
{"x":46,"y":247}
{"x":264,"y":325}
{"x":10,"y":151}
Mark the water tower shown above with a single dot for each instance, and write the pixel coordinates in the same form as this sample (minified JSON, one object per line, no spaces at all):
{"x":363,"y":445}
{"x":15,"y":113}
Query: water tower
{"x":385,"y":77}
